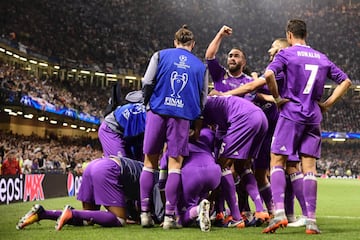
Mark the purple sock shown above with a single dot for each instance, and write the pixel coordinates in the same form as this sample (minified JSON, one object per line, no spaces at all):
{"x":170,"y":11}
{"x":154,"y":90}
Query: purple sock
{"x":219,"y":202}
{"x":228,"y":188}
{"x":172,"y":189}
{"x":55,"y":214}
{"x":50,"y":214}
{"x":103,"y":218}
{"x":265,"y":193}
{"x":251,"y":187}
{"x":278,"y":183}
{"x":310,"y":191}
{"x":297,"y":182}
{"x":189,"y":216}
{"x":289,"y":197}
{"x":146,"y":188}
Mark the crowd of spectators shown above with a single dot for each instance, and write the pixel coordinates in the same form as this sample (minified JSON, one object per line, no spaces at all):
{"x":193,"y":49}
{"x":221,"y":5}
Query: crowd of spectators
{"x":118,"y":35}
{"x":39,"y":155}
{"x":339,"y":159}
{"x":344,"y":115}
{"x":124,"y":33}
{"x":69,"y":94}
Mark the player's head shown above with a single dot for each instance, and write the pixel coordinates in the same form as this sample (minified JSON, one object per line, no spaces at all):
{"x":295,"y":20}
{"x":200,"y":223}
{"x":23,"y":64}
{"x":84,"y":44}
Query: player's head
{"x":295,"y":28}
{"x":184,"y":37}
{"x":276,"y":46}
{"x":236,"y":60}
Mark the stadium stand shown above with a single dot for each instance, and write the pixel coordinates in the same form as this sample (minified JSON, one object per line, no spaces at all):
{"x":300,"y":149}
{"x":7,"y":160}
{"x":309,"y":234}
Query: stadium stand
{"x":122,"y":34}
{"x":51,"y":155}
{"x":118,"y":36}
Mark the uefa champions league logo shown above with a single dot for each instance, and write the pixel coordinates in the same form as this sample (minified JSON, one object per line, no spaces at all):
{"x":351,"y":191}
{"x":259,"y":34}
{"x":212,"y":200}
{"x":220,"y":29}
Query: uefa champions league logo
{"x":182,"y":64}
{"x":137,"y":108}
{"x":182,"y":59}
{"x":178,"y":82}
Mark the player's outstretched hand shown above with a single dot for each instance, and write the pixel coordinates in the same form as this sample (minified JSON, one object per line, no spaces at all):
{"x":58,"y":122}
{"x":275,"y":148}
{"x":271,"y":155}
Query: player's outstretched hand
{"x":215,"y":93}
{"x":323,"y":107}
{"x":254,"y":75}
{"x":280,"y":102}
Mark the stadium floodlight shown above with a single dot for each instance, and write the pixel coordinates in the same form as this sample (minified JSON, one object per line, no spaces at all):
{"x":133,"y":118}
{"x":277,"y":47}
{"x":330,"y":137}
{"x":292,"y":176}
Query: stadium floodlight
{"x":9,"y":53}
{"x":130,"y":77}
{"x":112,"y":79}
{"x":41,"y":119}
{"x":28,"y":116}
{"x":65,"y":124}
{"x":100,"y":74}
{"x":13,"y":113}
{"x":57,"y":67}
{"x":2,"y":50}
{"x":43,"y":64}
{"x":73,"y":126}
{"x":16,"y":56}
{"x":33,"y":61}
{"x":111,"y":75}
{"x":339,"y":139}
{"x":53,"y":121}
{"x":73,"y":70}
{"x":85,"y":72}
{"x":19,"y":113}
{"x":23,"y":59}
{"x":7,"y":110}
{"x":82,"y":128}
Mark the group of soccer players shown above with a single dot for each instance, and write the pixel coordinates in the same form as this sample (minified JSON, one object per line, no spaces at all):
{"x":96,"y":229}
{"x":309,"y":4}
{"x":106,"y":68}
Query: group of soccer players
{"x":246,"y":138}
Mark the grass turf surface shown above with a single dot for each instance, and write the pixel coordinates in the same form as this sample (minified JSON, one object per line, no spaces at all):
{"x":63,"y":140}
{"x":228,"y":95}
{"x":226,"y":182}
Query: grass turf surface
{"x":338,"y":217}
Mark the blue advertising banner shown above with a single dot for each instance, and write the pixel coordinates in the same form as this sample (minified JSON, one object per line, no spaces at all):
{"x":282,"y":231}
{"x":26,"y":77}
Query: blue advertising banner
{"x":41,"y":104}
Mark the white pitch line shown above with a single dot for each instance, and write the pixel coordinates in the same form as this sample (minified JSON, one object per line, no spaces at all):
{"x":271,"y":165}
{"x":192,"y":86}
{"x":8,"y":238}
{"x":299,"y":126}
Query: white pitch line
{"x":339,"y":217}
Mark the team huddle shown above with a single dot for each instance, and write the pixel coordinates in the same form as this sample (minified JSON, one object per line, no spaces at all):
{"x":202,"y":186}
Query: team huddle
{"x":179,"y":156}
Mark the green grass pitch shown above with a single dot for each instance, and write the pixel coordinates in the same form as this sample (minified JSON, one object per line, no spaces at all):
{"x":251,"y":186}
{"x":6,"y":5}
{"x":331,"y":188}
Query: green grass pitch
{"x":338,"y":213}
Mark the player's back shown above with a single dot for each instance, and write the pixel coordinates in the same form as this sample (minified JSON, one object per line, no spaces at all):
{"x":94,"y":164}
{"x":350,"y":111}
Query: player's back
{"x":180,"y":79}
{"x":306,"y":72}
{"x":131,"y":117}
{"x":221,"y":110}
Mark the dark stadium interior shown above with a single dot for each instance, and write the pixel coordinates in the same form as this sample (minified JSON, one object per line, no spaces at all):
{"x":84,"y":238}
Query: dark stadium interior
{"x":119,"y":36}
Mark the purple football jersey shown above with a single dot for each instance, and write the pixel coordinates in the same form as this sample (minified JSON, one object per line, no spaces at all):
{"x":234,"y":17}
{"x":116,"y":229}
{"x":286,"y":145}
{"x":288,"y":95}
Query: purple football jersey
{"x":223,"y":81}
{"x":220,"y":110}
{"x":306,"y":71}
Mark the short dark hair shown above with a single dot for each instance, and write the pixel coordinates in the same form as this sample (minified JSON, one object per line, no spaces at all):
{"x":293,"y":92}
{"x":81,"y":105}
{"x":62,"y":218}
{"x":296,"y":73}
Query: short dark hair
{"x":184,"y":36}
{"x":241,"y":50}
{"x":297,"y":27}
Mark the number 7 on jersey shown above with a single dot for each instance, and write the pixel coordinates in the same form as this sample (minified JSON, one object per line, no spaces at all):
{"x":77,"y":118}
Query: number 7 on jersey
{"x":311,"y":79}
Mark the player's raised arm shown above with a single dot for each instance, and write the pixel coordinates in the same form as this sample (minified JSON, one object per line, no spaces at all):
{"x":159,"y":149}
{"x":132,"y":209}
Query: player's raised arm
{"x":215,"y":43}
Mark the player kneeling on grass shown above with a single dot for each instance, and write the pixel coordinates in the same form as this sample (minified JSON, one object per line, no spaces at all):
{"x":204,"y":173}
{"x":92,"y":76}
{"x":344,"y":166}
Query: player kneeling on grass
{"x":110,"y":182}
{"x":199,"y":175}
